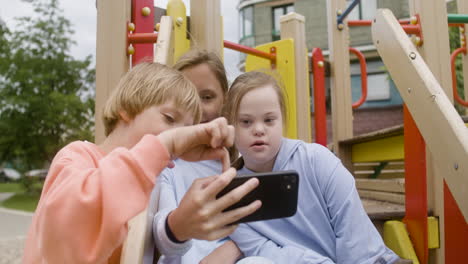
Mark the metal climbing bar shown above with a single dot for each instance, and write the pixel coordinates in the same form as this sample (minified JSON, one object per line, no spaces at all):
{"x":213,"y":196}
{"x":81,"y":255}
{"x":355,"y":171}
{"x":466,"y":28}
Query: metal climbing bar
{"x":142,"y":38}
{"x":454,"y":77}
{"x":362,"y":62}
{"x":458,"y":18}
{"x":364,"y":23}
{"x":251,"y":51}
{"x":342,"y":16}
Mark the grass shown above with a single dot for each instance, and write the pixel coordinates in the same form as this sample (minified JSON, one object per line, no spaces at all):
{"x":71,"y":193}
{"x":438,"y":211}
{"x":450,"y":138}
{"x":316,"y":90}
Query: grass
{"x":22,"y":201}
{"x":10,"y":187}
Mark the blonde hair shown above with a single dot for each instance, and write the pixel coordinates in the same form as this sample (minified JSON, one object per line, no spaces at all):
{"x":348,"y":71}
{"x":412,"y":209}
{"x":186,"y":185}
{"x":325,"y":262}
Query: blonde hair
{"x":243,"y":84}
{"x":196,"y":57}
{"x":146,"y":85}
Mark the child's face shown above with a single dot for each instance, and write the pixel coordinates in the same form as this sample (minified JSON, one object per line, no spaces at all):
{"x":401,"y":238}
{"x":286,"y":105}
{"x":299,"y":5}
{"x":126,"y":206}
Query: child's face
{"x":209,"y":90}
{"x":156,"y":119}
{"x":259,"y":128}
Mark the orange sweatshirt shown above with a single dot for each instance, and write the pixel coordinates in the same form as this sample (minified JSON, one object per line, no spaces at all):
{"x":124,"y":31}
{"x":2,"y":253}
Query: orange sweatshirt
{"x":87,"y":200}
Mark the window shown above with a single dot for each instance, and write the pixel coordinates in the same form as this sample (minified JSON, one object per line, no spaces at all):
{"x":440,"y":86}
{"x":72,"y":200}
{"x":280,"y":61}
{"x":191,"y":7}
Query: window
{"x":246,"y":22}
{"x":378,"y":87}
{"x":365,"y":10}
{"x":277,"y":12}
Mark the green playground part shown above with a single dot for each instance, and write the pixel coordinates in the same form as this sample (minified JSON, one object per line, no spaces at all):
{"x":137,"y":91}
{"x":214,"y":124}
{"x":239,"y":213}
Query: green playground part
{"x":458,"y":18}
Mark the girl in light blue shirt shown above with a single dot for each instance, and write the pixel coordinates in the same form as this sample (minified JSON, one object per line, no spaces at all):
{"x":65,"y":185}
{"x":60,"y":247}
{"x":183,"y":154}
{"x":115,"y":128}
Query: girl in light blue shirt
{"x":330,"y":225}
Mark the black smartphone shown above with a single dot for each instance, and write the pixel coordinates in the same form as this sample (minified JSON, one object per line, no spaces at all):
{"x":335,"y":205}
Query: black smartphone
{"x":277,"y":190}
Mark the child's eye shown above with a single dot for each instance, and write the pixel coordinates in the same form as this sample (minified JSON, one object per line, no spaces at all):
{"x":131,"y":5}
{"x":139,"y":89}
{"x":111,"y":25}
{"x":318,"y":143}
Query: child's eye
{"x":245,"y":122}
{"x":169,"y":119}
{"x":269,"y":120}
{"x":206,"y":98}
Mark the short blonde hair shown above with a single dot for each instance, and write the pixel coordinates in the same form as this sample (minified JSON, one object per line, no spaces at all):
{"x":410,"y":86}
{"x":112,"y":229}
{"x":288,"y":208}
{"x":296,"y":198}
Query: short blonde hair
{"x":146,"y":85}
{"x":196,"y":57}
{"x":243,"y":84}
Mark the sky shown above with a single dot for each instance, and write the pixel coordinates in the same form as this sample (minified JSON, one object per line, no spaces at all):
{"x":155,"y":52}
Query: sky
{"x":82,"y":14}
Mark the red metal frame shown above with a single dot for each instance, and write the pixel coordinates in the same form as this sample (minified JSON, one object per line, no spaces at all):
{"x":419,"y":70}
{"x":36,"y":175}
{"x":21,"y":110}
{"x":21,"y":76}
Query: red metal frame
{"x":143,"y":24}
{"x":362,"y":62}
{"x":415,"y":186}
{"x":409,"y":29}
{"x":246,"y":49}
{"x":320,"y":111}
{"x":456,"y":230}
{"x":453,"y":57}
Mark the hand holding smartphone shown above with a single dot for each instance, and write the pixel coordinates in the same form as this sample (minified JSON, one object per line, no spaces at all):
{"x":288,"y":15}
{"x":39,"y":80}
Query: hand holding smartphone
{"x":277,"y":191}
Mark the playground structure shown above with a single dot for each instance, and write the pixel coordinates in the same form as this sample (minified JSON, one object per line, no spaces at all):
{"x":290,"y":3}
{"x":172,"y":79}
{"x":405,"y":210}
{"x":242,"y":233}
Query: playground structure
{"x":433,"y":142}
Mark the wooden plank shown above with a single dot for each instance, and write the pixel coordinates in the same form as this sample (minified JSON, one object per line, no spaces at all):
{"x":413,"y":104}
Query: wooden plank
{"x":393,"y":185}
{"x":292,"y":27}
{"x":205,"y":25}
{"x":430,"y":108}
{"x":379,"y":210}
{"x":164,"y":48}
{"x":133,"y":247}
{"x":383,"y":133}
{"x":111,"y":53}
{"x":340,"y":80}
{"x":397,"y":198}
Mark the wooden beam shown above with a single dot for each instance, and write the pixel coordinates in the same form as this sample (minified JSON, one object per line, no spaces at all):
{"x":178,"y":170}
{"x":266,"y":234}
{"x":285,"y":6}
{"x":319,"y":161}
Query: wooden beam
{"x":111,"y":53}
{"x":340,"y":79}
{"x":164,"y":48}
{"x":428,"y":104}
{"x":397,"y":198}
{"x":133,"y":247}
{"x":206,"y":25}
{"x":292,"y":26}
{"x":391,"y":185}
{"x":436,"y":53}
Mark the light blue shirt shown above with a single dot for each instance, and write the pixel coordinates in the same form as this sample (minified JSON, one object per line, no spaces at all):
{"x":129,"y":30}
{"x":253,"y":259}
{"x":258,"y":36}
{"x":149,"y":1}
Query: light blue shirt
{"x":172,"y":184}
{"x":330,"y":225}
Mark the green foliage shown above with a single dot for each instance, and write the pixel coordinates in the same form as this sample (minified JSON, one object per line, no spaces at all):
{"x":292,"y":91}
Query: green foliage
{"x":454,"y":35}
{"x":22,"y":201}
{"x":46,"y":95}
{"x":13,"y":187}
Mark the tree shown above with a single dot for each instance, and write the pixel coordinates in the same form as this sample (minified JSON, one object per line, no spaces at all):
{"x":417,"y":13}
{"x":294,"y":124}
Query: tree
{"x":46,"y":95}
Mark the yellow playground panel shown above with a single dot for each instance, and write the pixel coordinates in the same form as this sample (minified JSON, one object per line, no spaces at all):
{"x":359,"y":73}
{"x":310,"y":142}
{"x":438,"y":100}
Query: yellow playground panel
{"x":285,"y":66}
{"x":176,"y":9}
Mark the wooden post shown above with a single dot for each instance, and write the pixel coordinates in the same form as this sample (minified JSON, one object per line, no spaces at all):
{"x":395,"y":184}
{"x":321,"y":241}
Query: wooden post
{"x":340,"y":79}
{"x":463,"y":9}
{"x":206,"y":25}
{"x":436,"y":53}
{"x":111,"y":53}
{"x":164,"y":48}
{"x":292,"y":26}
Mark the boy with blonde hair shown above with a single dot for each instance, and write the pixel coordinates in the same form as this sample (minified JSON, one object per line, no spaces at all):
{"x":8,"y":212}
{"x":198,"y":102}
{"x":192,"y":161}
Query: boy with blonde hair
{"x":92,"y":191}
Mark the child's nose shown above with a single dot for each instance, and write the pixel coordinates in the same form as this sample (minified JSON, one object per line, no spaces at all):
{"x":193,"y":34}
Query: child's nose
{"x":259,"y":129}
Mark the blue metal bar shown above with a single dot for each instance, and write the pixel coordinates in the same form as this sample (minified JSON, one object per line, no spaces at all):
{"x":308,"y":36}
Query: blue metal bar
{"x":340,"y":18}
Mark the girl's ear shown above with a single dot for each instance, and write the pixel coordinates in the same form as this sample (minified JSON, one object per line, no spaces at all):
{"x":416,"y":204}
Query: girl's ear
{"x":124,"y":116}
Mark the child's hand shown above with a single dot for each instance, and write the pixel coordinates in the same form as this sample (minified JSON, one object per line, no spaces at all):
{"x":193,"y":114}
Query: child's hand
{"x":200,"y":142}
{"x":200,"y":215}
